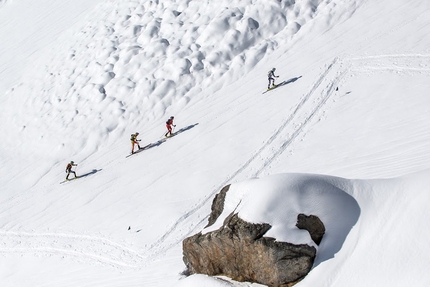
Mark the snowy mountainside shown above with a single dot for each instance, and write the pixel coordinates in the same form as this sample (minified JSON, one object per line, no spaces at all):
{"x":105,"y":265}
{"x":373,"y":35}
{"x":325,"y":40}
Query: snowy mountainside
{"x":354,"y":106}
{"x":130,"y":65}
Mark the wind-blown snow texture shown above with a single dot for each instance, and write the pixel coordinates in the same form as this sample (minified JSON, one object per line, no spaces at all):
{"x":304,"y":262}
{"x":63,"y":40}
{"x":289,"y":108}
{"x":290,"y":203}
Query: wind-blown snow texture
{"x":78,"y":77}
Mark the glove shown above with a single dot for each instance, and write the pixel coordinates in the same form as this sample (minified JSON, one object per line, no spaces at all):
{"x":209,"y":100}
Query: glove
{"x":174,"y":126}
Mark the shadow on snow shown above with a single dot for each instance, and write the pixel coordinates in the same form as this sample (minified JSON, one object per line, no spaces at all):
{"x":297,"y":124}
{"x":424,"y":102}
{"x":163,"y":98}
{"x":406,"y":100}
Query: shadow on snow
{"x":292,"y":80}
{"x":158,"y":143}
{"x":185,"y":129}
{"x":90,"y":173}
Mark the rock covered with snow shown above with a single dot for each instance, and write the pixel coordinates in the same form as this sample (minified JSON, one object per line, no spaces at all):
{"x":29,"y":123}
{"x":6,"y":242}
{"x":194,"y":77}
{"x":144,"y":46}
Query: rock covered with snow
{"x":268,"y":230}
{"x":240,"y":251}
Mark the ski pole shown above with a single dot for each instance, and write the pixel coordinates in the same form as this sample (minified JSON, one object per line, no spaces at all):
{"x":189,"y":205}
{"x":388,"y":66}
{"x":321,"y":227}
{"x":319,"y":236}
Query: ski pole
{"x":76,"y":171}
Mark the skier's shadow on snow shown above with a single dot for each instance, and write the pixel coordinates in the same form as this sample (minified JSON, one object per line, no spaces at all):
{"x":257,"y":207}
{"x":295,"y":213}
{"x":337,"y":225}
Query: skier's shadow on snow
{"x":158,"y":143}
{"x":292,"y":80}
{"x":185,"y":129}
{"x":90,"y":173}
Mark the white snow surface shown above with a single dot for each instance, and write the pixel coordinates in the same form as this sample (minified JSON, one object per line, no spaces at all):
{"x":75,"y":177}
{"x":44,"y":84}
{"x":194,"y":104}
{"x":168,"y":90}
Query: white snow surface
{"x":345,"y":138}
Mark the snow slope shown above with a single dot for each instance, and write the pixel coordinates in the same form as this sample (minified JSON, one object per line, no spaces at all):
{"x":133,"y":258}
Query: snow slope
{"x":354,"y":108}
{"x":29,"y":27}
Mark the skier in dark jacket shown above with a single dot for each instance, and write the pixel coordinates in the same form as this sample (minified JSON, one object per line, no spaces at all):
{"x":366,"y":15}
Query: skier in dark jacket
{"x":69,"y":169}
{"x":169,"y":125}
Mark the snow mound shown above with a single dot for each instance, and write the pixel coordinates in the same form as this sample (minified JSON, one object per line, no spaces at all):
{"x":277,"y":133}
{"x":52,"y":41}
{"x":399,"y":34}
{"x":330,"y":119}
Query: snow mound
{"x":278,"y":199}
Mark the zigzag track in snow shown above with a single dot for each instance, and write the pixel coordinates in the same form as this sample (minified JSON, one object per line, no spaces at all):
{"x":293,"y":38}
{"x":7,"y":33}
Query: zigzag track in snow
{"x":402,"y":63}
{"x":399,"y":63}
{"x":291,"y":138}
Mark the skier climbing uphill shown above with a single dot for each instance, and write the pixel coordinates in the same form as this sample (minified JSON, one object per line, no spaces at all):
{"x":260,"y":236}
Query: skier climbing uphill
{"x":134,"y":141}
{"x":69,"y":169}
{"x":169,"y":125}
{"x":271,"y":77}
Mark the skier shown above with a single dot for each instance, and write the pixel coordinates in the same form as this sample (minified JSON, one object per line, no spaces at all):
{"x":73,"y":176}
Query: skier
{"x":169,"y":125}
{"x":69,"y":169}
{"x":134,"y":141}
{"x":271,"y":77}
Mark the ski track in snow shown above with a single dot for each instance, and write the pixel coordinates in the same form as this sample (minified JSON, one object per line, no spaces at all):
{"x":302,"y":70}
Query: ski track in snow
{"x":83,"y":247}
{"x":103,"y":251}
{"x":299,"y":128}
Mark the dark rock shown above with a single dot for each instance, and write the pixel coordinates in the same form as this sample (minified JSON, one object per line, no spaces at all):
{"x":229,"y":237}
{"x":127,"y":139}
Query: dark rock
{"x":240,"y":251}
{"x":313,"y":225}
{"x":217,"y":205}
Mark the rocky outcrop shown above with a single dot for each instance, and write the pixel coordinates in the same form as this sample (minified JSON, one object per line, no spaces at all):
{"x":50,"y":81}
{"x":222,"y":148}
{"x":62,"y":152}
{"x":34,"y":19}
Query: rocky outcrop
{"x":217,"y":205}
{"x":240,"y":251}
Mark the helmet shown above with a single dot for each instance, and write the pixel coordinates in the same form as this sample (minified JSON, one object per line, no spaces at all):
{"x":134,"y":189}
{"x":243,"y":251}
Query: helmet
{"x":137,"y":133}
{"x":172,"y":117}
{"x":72,"y":162}
{"x":273,"y":69}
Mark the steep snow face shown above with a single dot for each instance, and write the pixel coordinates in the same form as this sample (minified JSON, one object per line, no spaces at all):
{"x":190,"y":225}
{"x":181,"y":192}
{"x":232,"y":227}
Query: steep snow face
{"x":135,"y":61}
{"x":26,"y":30}
{"x":356,"y":106}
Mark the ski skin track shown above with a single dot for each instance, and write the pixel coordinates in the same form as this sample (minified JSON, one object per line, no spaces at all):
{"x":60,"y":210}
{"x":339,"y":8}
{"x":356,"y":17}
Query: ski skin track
{"x":276,"y":86}
{"x":74,"y":245}
{"x":139,"y":150}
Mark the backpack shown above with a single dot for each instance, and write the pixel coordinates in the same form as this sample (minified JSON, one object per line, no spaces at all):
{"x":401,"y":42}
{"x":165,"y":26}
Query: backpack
{"x":132,"y":137}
